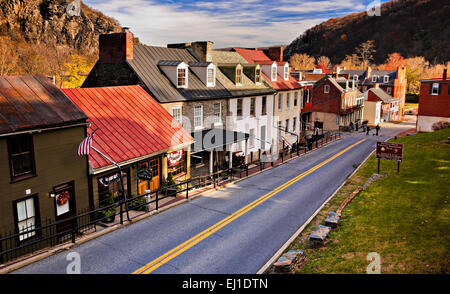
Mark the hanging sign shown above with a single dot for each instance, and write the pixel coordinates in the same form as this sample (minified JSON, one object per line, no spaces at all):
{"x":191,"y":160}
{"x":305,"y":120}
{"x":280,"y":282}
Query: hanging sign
{"x":145,"y":175}
{"x":174,"y":158}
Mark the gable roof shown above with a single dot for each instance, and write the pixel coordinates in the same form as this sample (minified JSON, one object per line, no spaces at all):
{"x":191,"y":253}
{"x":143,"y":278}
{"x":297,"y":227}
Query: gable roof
{"x":131,"y":124}
{"x":380,"y":93}
{"x":145,"y":64}
{"x":258,"y":56}
{"x":31,"y":102}
{"x":228,"y":60}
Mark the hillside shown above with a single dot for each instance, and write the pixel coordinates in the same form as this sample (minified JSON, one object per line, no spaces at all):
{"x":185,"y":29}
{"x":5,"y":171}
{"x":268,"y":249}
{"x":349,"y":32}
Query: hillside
{"x":409,"y":27}
{"x":46,"y":21}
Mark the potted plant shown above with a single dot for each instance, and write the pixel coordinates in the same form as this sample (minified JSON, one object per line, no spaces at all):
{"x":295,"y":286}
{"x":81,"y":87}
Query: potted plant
{"x":170,"y":185}
{"x":108,"y":215}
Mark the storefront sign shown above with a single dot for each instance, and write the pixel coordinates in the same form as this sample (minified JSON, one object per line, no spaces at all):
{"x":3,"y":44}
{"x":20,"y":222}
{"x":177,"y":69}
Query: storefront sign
{"x":145,"y":175}
{"x":174,"y":158}
{"x":390,"y":151}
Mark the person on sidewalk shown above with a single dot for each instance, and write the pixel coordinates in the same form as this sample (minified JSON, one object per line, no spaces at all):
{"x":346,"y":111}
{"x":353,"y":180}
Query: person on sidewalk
{"x":351,"y":126}
{"x":368,"y":131}
{"x":356,"y":126}
{"x":378,"y":129}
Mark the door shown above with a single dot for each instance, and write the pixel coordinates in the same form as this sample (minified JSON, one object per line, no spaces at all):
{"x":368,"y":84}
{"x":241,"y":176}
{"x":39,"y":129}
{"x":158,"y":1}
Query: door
{"x":64,"y":206}
{"x":155,"y":184}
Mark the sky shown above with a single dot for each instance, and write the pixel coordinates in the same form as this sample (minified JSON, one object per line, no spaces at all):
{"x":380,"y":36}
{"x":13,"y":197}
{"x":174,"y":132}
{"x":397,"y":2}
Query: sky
{"x":243,"y":23}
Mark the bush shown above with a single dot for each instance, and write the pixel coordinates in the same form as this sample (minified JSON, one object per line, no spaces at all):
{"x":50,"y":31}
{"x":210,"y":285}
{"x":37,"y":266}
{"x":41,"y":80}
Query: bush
{"x":138,"y":204}
{"x":107,"y":215}
{"x":441,"y":125}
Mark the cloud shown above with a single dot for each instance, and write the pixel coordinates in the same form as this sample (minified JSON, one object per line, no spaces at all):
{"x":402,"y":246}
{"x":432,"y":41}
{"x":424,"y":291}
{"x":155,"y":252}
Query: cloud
{"x":248,"y":23}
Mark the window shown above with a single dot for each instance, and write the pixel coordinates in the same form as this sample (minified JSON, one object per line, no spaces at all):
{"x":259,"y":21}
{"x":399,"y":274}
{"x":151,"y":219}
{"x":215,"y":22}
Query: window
{"x":181,"y":167}
{"x":176,"y":113}
{"x":198,"y":117}
{"x":26,"y":218}
{"x":307,"y":96}
{"x":389,"y":90}
{"x":374,"y":79}
{"x":295,"y":99}
{"x":238,"y":76}
{"x":252,"y":106}
{"x":365,"y":88}
{"x":274,"y":73}
{"x":355,"y":78}
{"x":435,"y":89}
{"x":258,"y":75}
{"x":294,"y":124}
{"x":211,"y":77}
{"x":252,"y":139}
{"x":21,"y":157}
{"x":264,"y":106}
{"x":111,"y":185}
{"x":239,"y":109}
{"x":286,"y":127}
{"x":182,"y":77}
{"x":386,"y":79}
{"x":217,"y":113}
{"x":302,"y":97}
{"x":286,"y":72}
{"x":344,"y":102}
{"x":326,"y":89}
{"x":280,"y":101}
{"x":280,"y":128}
{"x":288,"y":100}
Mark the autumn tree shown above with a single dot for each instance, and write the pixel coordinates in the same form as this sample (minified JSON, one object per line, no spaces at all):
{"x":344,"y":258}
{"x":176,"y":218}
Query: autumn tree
{"x":8,"y":56}
{"x":351,"y":62}
{"x":365,"y":53}
{"x":324,"y":61}
{"x":394,"y":61}
{"x":302,"y":61}
{"x":77,"y":69}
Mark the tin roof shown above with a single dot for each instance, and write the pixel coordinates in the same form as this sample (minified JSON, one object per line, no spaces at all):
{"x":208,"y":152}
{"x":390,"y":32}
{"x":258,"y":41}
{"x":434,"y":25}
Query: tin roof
{"x":131,"y":124}
{"x":258,"y":56}
{"x":145,"y":64}
{"x":32,"y":102}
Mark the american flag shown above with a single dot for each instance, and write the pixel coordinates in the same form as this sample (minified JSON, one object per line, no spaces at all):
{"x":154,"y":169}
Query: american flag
{"x":85,"y":146}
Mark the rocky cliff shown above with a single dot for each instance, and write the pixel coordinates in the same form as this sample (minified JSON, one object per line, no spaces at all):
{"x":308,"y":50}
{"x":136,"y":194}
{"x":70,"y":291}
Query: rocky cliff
{"x":47,"y":21}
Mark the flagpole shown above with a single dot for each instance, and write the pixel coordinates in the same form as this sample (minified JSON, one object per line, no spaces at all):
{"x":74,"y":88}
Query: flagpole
{"x":120,"y":176}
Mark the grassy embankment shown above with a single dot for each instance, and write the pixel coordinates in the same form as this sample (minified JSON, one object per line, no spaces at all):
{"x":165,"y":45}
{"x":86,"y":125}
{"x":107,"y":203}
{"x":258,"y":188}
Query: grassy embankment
{"x":405,"y":218}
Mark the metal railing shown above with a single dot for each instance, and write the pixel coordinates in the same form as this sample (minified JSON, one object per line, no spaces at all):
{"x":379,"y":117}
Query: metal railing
{"x":15,"y":244}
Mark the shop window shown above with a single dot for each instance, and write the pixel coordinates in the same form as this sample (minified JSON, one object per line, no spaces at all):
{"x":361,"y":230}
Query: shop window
{"x":26,"y":218}
{"x":181,"y":168}
{"x":111,"y":184}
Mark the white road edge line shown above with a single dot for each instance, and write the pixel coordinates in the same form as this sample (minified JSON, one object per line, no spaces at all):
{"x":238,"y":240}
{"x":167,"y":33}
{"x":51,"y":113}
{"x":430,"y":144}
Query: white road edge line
{"x":296,"y":234}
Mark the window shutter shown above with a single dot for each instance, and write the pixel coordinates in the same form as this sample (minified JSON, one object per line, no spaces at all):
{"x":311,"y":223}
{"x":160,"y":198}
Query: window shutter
{"x":440,"y":88}
{"x":431,"y":89}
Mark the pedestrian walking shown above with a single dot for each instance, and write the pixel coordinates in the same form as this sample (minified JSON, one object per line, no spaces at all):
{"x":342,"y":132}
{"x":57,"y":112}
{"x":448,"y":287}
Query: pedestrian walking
{"x":357,"y":126}
{"x":368,"y":131}
{"x":378,"y":129}
{"x":352,"y":126}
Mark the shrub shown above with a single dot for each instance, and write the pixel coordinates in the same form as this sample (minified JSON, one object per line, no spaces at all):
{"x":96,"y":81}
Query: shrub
{"x":138,"y":204}
{"x":441,"y":125}
{"x":107,"y":215}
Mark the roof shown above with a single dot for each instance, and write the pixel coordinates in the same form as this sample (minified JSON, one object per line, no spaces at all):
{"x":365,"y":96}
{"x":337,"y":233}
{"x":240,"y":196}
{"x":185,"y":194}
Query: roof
{"x":131,"y":124}
{"x":392,"y":74}
{"x":231,"y":59}
{"x":169,"y":63}
{"x":145,"y":64}
{"x":380,"y":93}
{"x":221,"y":137}
{"x":31,"y":102}
{"x":258,"y":56}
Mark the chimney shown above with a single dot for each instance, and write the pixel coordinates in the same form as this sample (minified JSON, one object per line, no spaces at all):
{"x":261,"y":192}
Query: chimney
{"x":369,"y":72}
{"x":444,"y":76}
{"x":376,"y":86}
{"x":116,"y":47}
{"x":275,"y":53}
{"x":203,"y":50}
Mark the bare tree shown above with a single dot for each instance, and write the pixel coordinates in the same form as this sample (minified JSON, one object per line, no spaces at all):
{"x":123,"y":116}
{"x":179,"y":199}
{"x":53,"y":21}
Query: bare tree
{"x":302,"y":61}
{"x":365,"y":53}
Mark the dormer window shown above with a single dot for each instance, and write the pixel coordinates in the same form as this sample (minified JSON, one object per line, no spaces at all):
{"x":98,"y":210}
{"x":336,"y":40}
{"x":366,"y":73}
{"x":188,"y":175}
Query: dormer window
{"x":274,"y":72}
{"x":258,"y":76}
{"x":355,"y":78}
{"x":286,"y":72}
{"x":182,"y":78}
{"x":238,"y":76}
{"x":374,"y":79}
{"x":211,"y":77}
{"x":386,"y":79}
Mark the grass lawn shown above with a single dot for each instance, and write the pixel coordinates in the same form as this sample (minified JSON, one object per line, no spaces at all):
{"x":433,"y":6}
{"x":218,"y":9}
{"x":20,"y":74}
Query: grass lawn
{"x":405,"y":218}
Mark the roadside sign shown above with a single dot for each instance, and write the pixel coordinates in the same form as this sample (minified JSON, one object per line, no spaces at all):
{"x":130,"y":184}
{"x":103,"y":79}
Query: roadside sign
{"x":390,"y":151}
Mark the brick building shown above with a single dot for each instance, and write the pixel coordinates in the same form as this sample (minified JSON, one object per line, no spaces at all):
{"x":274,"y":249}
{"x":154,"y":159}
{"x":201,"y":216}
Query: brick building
{"x":434,"y":103}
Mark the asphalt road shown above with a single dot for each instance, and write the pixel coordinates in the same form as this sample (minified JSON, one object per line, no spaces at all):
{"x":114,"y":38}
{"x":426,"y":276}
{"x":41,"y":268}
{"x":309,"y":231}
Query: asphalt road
{"x":240,"y":245}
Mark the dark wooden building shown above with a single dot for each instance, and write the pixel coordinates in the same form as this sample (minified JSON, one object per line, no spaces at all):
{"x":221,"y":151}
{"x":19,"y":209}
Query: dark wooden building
{"x":40,"y":131}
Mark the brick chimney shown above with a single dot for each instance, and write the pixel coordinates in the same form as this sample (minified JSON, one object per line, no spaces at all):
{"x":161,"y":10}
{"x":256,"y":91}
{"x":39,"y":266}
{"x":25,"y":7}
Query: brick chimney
{"x":275,"y":53}
{"x":200,"y":48}
{"x":369,"y":72}
{"x":116,"y":47}
{"x":444,"y":75}
{"x":376,"y":86}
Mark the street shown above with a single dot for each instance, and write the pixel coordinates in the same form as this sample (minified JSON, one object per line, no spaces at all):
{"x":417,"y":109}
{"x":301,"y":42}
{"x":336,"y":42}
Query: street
{"x":235,"y":230}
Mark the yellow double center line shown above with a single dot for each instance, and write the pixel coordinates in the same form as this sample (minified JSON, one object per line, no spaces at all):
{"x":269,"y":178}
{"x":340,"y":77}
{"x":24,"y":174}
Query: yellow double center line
{"x":208,"y":232}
